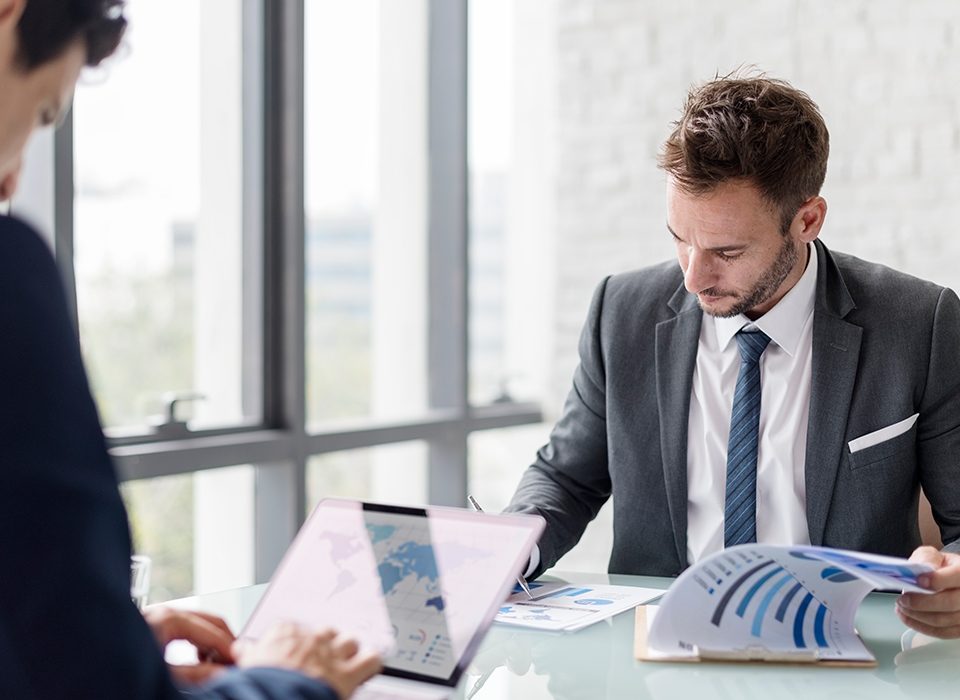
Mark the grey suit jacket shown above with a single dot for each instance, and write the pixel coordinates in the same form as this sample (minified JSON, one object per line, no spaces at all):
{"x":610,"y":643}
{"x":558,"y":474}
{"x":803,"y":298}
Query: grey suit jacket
{"x":885,"y":346}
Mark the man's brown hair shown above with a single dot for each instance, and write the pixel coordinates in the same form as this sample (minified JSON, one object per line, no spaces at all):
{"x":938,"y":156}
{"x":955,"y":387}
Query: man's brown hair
{"x":754,"y":128}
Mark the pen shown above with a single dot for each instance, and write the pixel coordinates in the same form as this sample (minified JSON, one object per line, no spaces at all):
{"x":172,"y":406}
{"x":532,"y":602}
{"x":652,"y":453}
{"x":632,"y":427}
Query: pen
{"x":520,"y":579}
{"x":480,"y":681}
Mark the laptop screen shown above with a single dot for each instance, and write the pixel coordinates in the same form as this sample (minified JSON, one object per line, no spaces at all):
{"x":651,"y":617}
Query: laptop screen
{"x":420,"y":585}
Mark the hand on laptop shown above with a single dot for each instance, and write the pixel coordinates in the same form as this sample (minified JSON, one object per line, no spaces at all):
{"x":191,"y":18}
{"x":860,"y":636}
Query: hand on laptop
{"x":324,"y":655}
{"x":936,"y":615}
{"x":208,"y":633}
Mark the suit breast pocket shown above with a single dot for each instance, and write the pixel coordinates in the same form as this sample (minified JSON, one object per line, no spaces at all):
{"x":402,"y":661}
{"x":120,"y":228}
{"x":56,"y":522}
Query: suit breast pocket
{"x":903,"y":443}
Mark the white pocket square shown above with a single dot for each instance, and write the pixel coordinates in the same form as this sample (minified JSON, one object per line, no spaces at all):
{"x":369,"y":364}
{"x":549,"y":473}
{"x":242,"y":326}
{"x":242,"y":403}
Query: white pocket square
{"x":882,"y":435}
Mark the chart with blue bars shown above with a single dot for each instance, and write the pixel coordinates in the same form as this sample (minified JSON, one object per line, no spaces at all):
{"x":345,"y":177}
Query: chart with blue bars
{"x":785,"y":599}
{"x":762,"y":593}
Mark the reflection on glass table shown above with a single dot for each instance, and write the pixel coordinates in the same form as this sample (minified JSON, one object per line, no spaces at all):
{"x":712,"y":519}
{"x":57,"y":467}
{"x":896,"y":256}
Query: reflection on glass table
{"x":926,"y":666}
{"x":597,"y":662}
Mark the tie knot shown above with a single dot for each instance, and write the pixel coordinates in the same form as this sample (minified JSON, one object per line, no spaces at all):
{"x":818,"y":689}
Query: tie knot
{"x":752,"y":344}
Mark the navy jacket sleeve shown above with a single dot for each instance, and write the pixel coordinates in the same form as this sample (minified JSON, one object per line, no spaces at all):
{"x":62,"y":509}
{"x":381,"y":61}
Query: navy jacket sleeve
{"x":68,"y":628}
{"x":260,"y":683}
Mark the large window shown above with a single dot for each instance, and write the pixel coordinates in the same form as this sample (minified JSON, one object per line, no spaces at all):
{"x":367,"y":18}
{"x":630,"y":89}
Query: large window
{"x":264,"y":233}
{"x":159,"y":201}
{"x":166,"y":247}
{"x":366,"y":209}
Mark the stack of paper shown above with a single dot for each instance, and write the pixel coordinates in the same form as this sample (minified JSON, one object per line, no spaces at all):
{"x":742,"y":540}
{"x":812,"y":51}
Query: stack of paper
{"x":567,"y":607}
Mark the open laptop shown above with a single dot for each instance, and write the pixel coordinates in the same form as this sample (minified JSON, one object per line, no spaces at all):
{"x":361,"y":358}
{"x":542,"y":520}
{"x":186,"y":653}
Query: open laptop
{"x":419,"y":585}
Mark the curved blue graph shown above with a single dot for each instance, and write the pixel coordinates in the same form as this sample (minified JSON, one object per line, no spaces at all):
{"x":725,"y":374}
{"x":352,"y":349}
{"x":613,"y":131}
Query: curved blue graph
{"x":798,"y":621}
{"x":819,"y":624}
{"x":745,"y":601}
{"x":775,"y":589}
{"x":734,"y":587}
{"x":787,"y":599}
{"x":765,"y":603}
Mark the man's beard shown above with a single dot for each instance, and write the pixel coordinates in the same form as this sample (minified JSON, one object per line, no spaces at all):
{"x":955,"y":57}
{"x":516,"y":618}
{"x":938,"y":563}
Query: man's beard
{"x":766,"y":286}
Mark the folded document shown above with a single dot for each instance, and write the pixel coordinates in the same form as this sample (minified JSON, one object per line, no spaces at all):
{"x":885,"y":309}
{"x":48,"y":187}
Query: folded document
{"x":771,"y":603}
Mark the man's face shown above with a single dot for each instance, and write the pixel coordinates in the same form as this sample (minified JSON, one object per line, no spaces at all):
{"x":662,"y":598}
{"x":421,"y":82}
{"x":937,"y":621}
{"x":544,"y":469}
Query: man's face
{"x":731,"y":249}
{"x":31,"y":99}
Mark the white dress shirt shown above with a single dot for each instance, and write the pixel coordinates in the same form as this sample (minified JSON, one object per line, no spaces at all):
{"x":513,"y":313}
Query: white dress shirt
{"x":784,"y":407}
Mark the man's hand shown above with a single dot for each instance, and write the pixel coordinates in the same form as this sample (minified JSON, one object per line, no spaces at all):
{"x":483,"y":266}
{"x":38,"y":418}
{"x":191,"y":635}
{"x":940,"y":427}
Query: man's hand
{"x":322,"y":655}
{"x":936,"y":615}
{"x":208,"y":633}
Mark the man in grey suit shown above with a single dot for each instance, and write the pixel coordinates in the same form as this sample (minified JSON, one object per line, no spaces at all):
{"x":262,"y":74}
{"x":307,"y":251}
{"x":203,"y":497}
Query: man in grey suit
{"x":765,"y":389}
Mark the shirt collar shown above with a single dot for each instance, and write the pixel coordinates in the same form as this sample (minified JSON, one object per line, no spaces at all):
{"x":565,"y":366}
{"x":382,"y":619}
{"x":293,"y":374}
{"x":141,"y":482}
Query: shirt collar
{"x":784,"y":322}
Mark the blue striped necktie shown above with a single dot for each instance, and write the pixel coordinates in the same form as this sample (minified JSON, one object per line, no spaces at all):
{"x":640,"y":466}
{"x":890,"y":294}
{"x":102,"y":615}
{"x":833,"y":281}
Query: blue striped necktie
{"x":740,"y":506}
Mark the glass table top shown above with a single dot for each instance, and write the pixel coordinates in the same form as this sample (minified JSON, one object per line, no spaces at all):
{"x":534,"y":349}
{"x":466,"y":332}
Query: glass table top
{"x":597,"y":662}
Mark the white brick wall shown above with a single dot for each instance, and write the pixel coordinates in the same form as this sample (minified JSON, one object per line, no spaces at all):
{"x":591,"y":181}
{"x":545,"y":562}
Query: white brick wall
{"x":886,"y":74}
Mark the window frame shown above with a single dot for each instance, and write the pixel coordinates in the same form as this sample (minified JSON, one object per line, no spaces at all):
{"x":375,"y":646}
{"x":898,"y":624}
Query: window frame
{"x":281,"y":445}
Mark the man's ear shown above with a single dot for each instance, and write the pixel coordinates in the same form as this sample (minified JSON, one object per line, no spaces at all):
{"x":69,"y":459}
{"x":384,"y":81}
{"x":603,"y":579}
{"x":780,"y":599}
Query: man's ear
{"x":809,"y":219}
{"x":10,"y":13}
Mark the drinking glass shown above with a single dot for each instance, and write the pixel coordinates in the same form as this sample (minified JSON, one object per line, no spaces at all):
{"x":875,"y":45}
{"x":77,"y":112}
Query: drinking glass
{"x":139,"y":579}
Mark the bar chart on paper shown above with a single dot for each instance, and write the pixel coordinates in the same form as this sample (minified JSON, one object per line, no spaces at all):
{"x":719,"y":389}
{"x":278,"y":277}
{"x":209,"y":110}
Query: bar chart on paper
{"x":752,"y":600}
{"x":765,"y":595}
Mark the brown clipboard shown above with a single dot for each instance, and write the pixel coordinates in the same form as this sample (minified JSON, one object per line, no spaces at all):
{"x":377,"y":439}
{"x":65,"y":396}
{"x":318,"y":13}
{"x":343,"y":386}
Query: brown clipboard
{"x":642,"y":652}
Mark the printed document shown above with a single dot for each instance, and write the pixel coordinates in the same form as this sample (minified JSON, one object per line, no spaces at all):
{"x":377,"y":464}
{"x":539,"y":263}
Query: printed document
{"x":772,"y":602}
{"x":568,"y":607}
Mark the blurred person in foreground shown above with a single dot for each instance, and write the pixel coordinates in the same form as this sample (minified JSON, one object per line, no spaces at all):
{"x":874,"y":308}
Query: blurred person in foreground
{"x":68,"y":628}
{"x":760,"y":387}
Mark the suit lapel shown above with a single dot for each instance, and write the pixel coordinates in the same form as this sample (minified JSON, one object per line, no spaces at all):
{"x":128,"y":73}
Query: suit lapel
{"x":676,"y":354}
{"x":835,"y":357}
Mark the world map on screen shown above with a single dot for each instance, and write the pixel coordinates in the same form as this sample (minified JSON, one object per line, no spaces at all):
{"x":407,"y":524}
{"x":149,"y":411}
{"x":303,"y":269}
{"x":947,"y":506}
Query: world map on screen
{"x":406,"y":563}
